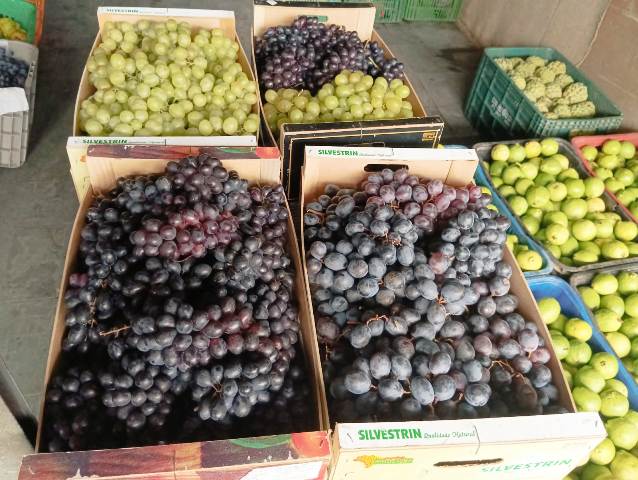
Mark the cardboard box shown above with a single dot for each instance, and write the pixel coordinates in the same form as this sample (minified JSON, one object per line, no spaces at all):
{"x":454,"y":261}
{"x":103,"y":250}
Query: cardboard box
{"x":207,"y":19}
{"x":295,"y":137}
{"x":538,"y":447}
{"x":355,"y":17}
{"x":106,"y":163}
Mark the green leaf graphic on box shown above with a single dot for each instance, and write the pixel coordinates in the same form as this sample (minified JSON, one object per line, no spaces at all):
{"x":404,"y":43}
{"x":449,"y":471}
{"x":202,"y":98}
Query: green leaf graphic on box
{"x":262,"y":442}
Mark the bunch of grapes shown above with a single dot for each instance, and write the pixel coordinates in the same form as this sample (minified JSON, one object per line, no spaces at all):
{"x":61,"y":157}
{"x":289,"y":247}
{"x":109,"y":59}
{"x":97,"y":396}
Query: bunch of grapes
{"x":308,"y":54}
{"x":350,"y":96}
{"x":413,"y":306}
{"x":164,"y":78}
{"x":208,"y":325}
{"x":13,"y":71}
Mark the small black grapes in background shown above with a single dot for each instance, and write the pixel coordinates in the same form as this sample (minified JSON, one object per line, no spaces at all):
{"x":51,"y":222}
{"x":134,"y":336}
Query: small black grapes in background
{"x":413,"y":308}
{"x":309,"y":54}
{"x":13,"y":71}
{"x":180,"y":319}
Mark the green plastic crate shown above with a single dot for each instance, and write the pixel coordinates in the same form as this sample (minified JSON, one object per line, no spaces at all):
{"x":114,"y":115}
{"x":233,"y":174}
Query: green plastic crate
{"x":432,"y":10}
{"x":495,"y":106}
{"x":22,"y":12}
{"x":388,"y":11}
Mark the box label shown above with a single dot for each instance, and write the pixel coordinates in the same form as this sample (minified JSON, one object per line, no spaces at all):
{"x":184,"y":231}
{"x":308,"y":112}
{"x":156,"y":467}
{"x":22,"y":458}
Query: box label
{"x":368,"y":435}
{"x":298,"y":471}
{"x":526,"y":466}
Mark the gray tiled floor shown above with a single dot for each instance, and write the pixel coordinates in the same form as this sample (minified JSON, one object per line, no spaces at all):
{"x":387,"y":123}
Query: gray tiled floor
{"x":38,"y":200}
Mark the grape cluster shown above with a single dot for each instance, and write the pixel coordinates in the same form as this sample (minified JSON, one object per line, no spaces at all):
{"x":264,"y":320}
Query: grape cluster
{"x":13,"y":71}
{"x":164,"y":78}
{"x":183,"y":299}
{"x":413,"y":306}
{"x":350,"y":96}
{"x":308,"y":54}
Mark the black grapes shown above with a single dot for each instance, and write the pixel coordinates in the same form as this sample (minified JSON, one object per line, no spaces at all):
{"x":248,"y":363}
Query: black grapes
{"x":13,"y":71}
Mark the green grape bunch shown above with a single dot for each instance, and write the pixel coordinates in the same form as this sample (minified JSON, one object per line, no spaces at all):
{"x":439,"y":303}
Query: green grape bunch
{"x":167,"y":79}
{"x":350,"y":96}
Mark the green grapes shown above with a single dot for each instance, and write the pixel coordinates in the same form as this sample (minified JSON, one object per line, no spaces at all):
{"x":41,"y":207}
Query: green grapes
{"x":167,"y":79}
{"x":350,"y":96}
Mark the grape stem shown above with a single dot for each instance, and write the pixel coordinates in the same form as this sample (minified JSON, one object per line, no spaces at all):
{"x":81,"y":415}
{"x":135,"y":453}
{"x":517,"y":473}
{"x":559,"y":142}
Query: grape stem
{"x":115,"y":331}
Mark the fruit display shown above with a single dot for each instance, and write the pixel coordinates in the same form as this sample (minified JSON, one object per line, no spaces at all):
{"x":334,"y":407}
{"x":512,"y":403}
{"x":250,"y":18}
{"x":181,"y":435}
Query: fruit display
{"x":616,"y":163}
{"x":413,"y":308}
{"x":548,"y":85}
{"x":308,"y":54}
{"x":561,"y":208}
{"x":11,"y":30}
{"x":350,"y":96}
{"x":612,"y":297}
{"x":168,"y":79}
{"x":181,"y":317}
{"x":13,"y":71}
{"x":591,"y":377}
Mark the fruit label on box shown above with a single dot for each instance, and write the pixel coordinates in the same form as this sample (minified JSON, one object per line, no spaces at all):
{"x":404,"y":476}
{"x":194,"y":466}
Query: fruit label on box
{"x":298,"y":471}
{"x":404,"y":434}
{"x":12,"y":100}
{"x":164,"y":12}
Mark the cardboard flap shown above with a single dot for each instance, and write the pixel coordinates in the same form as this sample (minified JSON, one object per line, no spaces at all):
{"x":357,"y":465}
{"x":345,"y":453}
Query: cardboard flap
{"x":359,"y":18}
{"x":198,"y":18}
{"x":453,"y":166}
{"x":107,"y":163}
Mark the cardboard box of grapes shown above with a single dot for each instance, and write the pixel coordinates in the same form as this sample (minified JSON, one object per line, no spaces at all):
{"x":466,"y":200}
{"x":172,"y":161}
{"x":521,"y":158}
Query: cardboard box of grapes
{"x":290,"y":455}
{"x":358,"y":18}
{"x":393,"y":436}
{"x":208,"y":129}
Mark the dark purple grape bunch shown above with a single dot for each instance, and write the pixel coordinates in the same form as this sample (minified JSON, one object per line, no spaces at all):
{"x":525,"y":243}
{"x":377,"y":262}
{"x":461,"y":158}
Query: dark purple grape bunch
{"x":309,"y":54}
{"x":413,"y":306}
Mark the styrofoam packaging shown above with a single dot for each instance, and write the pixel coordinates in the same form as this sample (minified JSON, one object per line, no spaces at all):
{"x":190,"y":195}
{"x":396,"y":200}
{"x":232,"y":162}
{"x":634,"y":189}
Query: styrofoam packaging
{"x":16,"y":107}
{"x":536,"y":447}
{"x":198,"y":19}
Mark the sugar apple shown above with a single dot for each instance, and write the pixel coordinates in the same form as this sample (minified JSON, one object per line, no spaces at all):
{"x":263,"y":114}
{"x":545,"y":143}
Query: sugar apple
{"x":564,"y":79}
{"x":545,"y":74}
{"x":536,"y":61}
{"x":544,"y":104}
{"x":524,"y":70}
{"x":563,"y":111}
{"x":551,"y":116}
{"x":503,"y":63}
{"x":519,"y":81}
{"x":553,"y":90}
{"x":585,"y":109}
{"x":575,"y":93}
{"x":515,"y":61}
{"x":534,"y":89}
{"x":557,"y":67}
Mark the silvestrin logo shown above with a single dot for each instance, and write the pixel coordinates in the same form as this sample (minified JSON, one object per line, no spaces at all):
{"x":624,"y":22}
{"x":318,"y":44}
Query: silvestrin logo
{"x":323,"y":151}
{"x":370,"y":460}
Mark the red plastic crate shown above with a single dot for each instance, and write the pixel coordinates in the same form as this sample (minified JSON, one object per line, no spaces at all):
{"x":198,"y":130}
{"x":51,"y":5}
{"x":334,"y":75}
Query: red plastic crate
{"x":597,"y":141}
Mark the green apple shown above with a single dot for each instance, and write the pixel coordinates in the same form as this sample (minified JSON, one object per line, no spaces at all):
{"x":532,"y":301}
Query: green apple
{"x":549,"y":309}
{"x":529,"y":170}
{"x":607,"y":320}
{"x":556,"y":217}
{"x":605,"y":284}
{"x":595,"y":205}
{"x":586,"y":400}
{"x":589,"y":377}
{"x":529,"y":260}
{"x":589,"y":153}
{"x":590,"y":246}
{"x":506,"y":191}
{"x":496,"y":168}
{"x":619,"y":343}
{"x":633,"y":248}
{"x":531,"y":223}
{"x":627,"y":283}
{"x":613,"y":302}
{"x":536,"y":161}
{"x":533,"y":149}
{"x":613,"y":404}
{"x":537,"y":197}
{"x":611,"y":147}
{"x":557,"y":234}
{"x":574,"y":208}
{"x":522,"y":185}
{"x":625,"y":231}
{"x":557,"y":191}
{"x":604,"y":453}
{"x":626,"y":196}
{"x":590,"y":297}
{"x":627,"y":150}
{"x":634,"y":346}
{"x":567,"y":261}
{"x":631,"y":305}
{"x":630,"y":327}
{"x":594,"y":187}
{"x":632,"y":416}
{"x":614,"y":185}
{"x":604,"y":228}
{"x":560,"y":344}
{"x":569,"y":247}
{"x":591,"y":471}
{"x":584,"y":230}
{"x":579,"y":353}
{"x":603,"y":173}
{"x":550,"y":166}
{"x":610,"y":162}
{"x":578,"y":329}
{"x":554,"y":250}
{"x":497,"y":182}
{"x":575,"y":187}
{"x":517,"y":153}
{"x":617,"y":386}
{"x":605,"y":363}
{"x":623,"y":433}
{"x":562,"y":159}
{"x":500,"y":153}
{"x":614,"y":250}
{"x":570,"y":173}
{"x":624,"y":466}
{"x":518,"y":205}
{"x":549,"y":146}
{"x":537,"y":213}
{"x":583,"y":257}
{"x":543,"y":179}
{"x":625,"y":176}
{"x":510,"y":174}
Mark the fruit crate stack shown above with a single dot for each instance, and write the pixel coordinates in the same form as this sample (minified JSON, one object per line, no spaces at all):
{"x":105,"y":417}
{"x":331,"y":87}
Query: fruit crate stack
{"x":388,"y":11}
{"x":514,"y":89}
{"x":22,"y":20}
{"x":432,"y":10}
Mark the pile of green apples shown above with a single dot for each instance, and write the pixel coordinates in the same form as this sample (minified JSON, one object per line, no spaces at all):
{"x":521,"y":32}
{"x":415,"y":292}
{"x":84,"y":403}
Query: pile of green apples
{"x":594,"y":388}
{"x":616,"y":163}
{"x":613,"y":298}
{"x":561,"y":210}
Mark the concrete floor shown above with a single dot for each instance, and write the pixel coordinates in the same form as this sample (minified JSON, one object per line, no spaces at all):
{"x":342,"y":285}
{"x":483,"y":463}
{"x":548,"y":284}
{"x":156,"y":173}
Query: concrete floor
{"x":39,"y":200}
